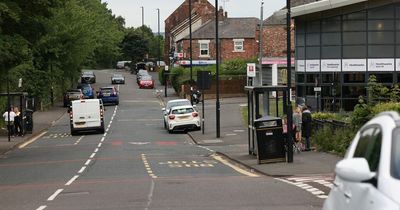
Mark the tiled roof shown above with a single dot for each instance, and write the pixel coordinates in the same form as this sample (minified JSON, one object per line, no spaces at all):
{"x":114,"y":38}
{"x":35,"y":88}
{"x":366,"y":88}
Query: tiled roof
{"x":273,"y":20}
{"x":228,"y":28}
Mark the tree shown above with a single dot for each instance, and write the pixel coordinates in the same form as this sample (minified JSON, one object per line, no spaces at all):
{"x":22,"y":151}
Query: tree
{"x":134,"y":46}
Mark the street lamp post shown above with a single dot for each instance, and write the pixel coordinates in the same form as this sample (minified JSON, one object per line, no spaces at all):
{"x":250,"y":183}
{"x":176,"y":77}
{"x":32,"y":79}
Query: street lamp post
{"x":142,"y":15}
{"x":260,"y":41}
{"x":190,"y":49}
{"x":8,"y":105}
{"x":158,"y":39}
{"x":217,"y":69}
{"x":289,"y":84}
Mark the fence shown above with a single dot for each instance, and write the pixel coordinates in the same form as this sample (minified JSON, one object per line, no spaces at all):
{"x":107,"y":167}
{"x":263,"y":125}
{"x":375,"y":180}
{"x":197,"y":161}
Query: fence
{"x":333,"y":124}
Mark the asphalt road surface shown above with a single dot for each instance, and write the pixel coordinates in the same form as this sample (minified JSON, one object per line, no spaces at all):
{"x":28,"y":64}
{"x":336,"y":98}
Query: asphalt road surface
{"x":136,"y":164}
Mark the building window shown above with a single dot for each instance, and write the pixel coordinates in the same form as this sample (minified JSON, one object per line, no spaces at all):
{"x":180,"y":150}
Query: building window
{"x":238,"y":45}
{"x":204,"y":48}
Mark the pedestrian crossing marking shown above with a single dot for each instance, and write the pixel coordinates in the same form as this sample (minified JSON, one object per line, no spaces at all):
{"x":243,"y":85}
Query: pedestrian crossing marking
{"x":189,"y":164}
{"x":305,"y":183}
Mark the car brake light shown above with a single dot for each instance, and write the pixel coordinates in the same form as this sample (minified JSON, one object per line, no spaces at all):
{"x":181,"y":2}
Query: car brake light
{"x":195,"y":114}
{"x":171,"y":117}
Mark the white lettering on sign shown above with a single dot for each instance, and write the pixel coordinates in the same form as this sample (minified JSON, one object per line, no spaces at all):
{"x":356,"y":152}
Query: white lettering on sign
{"x":251,"y":70}
{"x":381,"y":64}
{"x":354,"y":65}
{"x":300,"y":65}
{"x":269,"y":134}
{"x":331,"y":65}
{"x":312,"y":65}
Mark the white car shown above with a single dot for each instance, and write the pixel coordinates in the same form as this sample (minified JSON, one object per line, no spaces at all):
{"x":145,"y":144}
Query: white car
{"x":183,"y":118}
{"x":172,"y":103}
{"x":369,"y":175}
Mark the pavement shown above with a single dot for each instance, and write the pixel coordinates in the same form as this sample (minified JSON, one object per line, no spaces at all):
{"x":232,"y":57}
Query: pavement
{"x":233,"y":141}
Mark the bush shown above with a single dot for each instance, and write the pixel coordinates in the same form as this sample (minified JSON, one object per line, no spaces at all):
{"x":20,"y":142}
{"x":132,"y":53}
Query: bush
{"x":382,"y":107}
{"x":161,"y":75}
{"x":333,"y":141}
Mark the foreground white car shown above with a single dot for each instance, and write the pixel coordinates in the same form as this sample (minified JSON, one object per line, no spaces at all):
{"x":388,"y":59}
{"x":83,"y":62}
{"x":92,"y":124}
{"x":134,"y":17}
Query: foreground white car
{"x":172,"y":103}
{"x":369,"y":175}
{"x":182,"y":118}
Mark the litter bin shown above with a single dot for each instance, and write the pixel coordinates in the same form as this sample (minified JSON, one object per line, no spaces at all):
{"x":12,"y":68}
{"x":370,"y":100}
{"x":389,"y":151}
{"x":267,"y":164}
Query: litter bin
{"x":269,"y":140}
{"x":28,"y":120}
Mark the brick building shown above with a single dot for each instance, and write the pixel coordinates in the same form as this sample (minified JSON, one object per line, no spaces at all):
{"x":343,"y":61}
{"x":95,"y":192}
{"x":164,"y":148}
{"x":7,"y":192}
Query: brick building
{"x":238,"y":39}
{"x":177,"y":24}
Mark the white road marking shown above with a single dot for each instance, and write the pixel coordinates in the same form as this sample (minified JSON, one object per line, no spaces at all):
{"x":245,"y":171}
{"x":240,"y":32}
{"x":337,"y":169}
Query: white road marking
{"x":55,"y":194}
{"x":87,"y":162}
{"x":79,"y":140}
{"x":32,"y":140}
{"x":82,"y":170}
{"x":41,"y":207}
{"x":150,"y":196}
{"x":72,"y":180}
{"x":244,"y":172}
{"x":99,"y":145}
{"x":96,"y":150}
{"x":93,"y":154}
{"x":300,"y":182}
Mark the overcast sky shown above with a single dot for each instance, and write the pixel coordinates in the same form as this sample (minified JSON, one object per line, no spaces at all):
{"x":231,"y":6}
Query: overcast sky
{"x":132,"y":12}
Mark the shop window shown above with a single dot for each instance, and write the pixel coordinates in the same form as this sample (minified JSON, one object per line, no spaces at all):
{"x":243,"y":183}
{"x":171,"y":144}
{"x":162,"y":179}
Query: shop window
{"x":300,"y":41}
{"x":331,"y":52}
{"x":354,"y":25}
{"x":312,"y":39}
{"x":397,"y":52}
{"x":384,"y":78}
{"x":381,"y":37}
{"x":385,"y":12}
{"x":312,"y":53}
{"x":398,"y":77}
{"x":397,"y":37}
{"x":354,"y":38}
{"x":355,"y":16}
{"x":354,"y":91}
{"x":357,"y":51}
{"x":380,"y":51}
{"x":380,"y":25}
{"x":300,"y":91}
{"x":331,"y":38}
{"x":300,"y":78}
{"x":331,"y":24}
{"x":354,"y":78}
{"x":313,"y":27}
{"x":310,"y":90}
{"x":312,"y":78}
{"x":348,"y":104}
{"x":300,"y":53}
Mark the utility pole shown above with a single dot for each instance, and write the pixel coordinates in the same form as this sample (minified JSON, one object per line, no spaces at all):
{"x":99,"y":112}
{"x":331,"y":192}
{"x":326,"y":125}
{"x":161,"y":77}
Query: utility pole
{"x":190,"y":49}
{"x":142,"y":15}
{"x":289,"y":84}
{"x":260,"y":41}
{"x":8,"y":105}
{"x":158,"y":40}
{"x":217,"y":69}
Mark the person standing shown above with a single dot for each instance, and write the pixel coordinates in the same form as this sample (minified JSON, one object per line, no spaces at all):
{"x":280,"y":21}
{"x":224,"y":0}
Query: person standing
{"x":9,"y":115}
{"x":297,"y":121}
{"x":307,"y":120}
{"x":18,"y":122}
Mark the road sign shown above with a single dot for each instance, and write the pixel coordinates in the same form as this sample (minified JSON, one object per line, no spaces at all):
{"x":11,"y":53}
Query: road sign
{"x":166,"y":68}
{"x":317,"y":89}
{"x":251,"y":70}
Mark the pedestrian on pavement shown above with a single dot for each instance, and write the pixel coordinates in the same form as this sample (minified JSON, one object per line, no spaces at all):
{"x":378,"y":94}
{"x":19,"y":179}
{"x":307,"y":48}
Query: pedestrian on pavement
{"x":18,"y":122}
{"x":306,"y":124}
{"x":297,"y":121}
{"x":9,"y":115}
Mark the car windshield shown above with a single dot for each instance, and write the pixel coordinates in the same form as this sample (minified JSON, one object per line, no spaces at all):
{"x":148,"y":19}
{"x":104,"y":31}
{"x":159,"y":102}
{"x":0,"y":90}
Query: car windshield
{"x":182,"y":111}
{"x":87,"y":73}
{"x":117,"y":76}
{"x":146,"y":78}
{"x":106,"y":90}
{"x":395,"y":168}
{"x":177,"y":103}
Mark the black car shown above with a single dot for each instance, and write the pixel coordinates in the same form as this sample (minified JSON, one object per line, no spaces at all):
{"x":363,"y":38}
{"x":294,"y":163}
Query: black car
{"x":88,"y":77}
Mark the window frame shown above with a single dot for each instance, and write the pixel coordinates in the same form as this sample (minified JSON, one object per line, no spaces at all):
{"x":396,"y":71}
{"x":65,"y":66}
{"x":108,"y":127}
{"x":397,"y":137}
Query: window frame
{"x":202,"y":43}
{"x":241,"y":45}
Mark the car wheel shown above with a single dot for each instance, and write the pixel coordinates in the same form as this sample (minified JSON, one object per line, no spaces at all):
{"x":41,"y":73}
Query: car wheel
{"x":170,"y":131}
{"x":165,"y":125}
{"x":117,"y":103}
{"x":74,"y":133}
{"x":101,"y":130}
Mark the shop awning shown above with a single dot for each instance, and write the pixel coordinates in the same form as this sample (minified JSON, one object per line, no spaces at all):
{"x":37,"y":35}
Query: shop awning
{"x":316,"y":7}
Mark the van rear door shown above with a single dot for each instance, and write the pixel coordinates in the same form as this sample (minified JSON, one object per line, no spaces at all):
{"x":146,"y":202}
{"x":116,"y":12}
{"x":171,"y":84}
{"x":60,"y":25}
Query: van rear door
{"x":86,"y":113}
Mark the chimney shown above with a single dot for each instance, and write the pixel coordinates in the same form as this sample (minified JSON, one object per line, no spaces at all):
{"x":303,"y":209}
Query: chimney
{"x":221,"y":16}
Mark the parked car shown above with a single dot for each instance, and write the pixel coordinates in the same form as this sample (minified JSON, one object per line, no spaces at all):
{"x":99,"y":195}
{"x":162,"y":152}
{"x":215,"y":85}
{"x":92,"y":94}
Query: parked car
{"x":86,"y":115}
{"x":88,"y":77}
{"x":87,"y":90}
{"x":369,"y":175}
{"x":146,"y":81}
{"x":108,"y":95}
{"x":122,"y":64}
{"x":117,"y":79}
{"x":171,"y":104}
{"x":140,"y":74}
{"x":71,"y":95}
{"x":183,"y":118}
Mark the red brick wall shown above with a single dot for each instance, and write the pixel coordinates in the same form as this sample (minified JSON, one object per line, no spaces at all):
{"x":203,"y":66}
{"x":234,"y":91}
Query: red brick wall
{"x":274,"y":41}
{"x":226,"y":51}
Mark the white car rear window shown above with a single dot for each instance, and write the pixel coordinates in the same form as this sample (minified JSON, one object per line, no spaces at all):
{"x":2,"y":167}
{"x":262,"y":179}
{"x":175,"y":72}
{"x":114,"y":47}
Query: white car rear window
{"x":182,"y":111}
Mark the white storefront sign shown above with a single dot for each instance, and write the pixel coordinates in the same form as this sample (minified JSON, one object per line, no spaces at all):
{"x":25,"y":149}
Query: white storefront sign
{"x":301,"y":65}
{"x":397,"y":64}
{"x":381,"y":64}
{"x":354,"y":65}
{"x":331,"y":65}
{"x":251,"y":70}
{"x":312,"y":65}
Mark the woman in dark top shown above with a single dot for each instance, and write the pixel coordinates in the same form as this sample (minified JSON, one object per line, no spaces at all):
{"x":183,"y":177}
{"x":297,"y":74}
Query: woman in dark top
{"x":306,"y":124}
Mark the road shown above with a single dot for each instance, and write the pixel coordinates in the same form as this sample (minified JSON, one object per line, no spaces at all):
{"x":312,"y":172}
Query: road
{"x":136,"y":164}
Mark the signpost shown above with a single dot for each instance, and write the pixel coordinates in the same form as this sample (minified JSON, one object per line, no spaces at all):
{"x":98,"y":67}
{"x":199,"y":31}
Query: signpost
{"x":166,"y":68}
{"x":251,"y":73}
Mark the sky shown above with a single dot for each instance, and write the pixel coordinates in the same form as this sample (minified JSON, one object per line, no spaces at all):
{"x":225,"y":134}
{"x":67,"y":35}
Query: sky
{"x":132,"y":12}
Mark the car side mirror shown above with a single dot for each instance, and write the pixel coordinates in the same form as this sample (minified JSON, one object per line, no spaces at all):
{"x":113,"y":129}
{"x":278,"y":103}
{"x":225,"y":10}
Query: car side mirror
{"x":354,"y":170}
{"x":194,"y":106}
{"x":163,"y":109}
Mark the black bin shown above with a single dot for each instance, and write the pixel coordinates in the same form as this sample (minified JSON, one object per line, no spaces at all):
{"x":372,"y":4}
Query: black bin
{"x":28,"y":121}
{"x":270,"y":140}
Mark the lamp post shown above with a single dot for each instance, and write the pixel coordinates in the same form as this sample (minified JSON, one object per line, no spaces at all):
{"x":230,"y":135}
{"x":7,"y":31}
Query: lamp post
{"x":289,"y":84}
{"x":158,"y":38}
{"x":190,"y":49}
{"x":8,"y":105}
{"x":142,"y":15}
{"x":217,"y":70}
{"x":260,"y":41}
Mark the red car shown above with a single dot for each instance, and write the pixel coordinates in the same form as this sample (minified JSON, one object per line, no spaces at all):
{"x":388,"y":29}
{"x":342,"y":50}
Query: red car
{"x":146,"y":82}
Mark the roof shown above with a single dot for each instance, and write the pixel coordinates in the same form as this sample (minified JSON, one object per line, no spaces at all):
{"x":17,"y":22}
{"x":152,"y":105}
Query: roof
{"x":281,"y":19}
{"x":317,"y":6}
{"x":228,"y":28}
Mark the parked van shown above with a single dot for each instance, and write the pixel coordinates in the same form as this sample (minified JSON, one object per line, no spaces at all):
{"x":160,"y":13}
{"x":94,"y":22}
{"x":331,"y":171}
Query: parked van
{"x":87,"y":115}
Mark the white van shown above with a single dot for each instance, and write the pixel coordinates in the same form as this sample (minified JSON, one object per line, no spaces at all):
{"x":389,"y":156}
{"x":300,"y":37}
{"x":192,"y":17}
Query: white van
{"x":87,"y":114}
